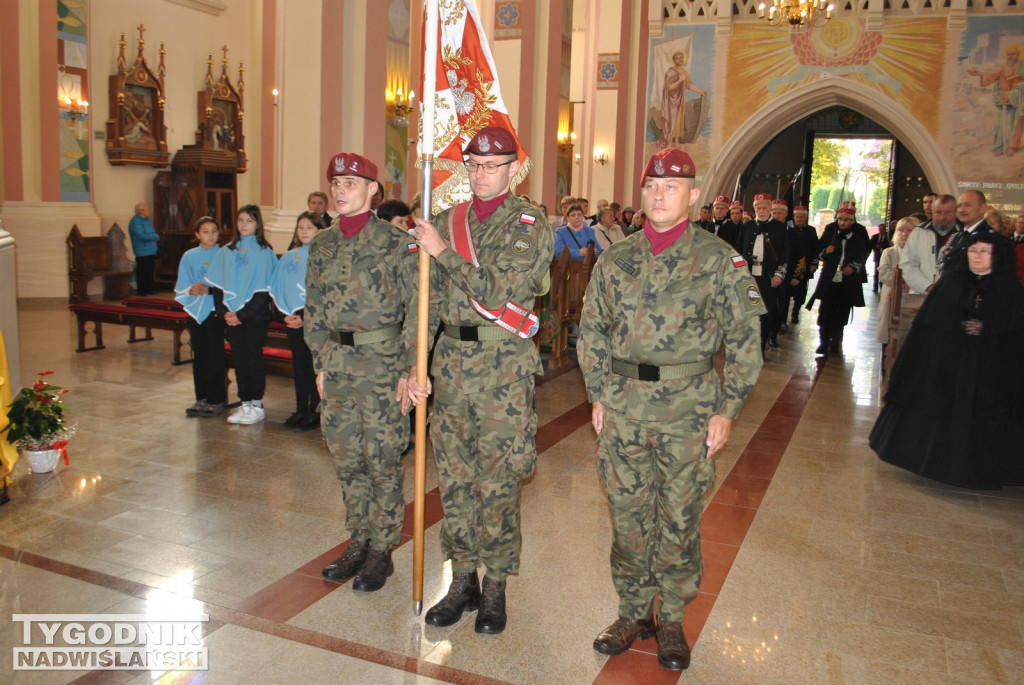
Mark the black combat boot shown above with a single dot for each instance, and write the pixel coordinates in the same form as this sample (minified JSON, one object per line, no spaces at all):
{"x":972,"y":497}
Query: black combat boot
{"x":375,"y":571}
{"x":463,"y":595}
{"x":796,"y":316}
{"x":492,"y":616}
{"x":673,"y":652}
{"x":349,"y":563}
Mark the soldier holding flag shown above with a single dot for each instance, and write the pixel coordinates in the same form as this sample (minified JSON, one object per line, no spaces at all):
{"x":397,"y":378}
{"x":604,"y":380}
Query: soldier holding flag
{"x":490,"y":257}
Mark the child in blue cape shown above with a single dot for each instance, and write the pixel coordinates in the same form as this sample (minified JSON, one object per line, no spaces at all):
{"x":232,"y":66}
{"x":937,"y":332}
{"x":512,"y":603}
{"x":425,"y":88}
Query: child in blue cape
{"x":205,"y":323}
{"x":242,"y":271}
{"x":288,"y":290}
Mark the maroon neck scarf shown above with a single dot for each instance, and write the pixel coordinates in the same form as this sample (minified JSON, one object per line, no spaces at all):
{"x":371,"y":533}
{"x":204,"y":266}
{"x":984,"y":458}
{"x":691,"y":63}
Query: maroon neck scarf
{"x":351,"y":225}
{"x":484,"y":208}
{"x":660,"y":241}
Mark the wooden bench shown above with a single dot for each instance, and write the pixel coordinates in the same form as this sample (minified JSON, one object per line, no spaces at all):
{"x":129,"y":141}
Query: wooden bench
{"x":569,"y":281}
{"x":93,"y":257}
{"x":134,"y":318}
{"x":153,"y":303}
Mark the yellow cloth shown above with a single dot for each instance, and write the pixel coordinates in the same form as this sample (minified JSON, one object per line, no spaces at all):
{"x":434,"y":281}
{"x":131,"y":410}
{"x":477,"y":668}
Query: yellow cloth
{"x":8,"y":452}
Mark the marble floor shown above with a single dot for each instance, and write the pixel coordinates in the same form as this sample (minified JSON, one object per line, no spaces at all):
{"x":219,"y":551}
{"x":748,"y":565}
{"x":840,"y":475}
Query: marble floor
{"x":823,"y":565}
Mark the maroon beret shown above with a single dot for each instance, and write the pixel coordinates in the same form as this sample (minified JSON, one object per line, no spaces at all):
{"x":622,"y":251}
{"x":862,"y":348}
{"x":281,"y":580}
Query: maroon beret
{"x":351,"y":164}
{"x":492,"y":140}
{"x":670,"y":162}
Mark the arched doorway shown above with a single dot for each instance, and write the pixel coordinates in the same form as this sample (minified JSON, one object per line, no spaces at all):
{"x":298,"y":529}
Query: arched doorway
{"x":805,"y":100}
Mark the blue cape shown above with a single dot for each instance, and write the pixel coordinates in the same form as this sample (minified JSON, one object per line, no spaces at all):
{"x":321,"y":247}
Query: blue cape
{"x":288,"y":286}
{"x":191,"y":270}
{"x":242,"y":272}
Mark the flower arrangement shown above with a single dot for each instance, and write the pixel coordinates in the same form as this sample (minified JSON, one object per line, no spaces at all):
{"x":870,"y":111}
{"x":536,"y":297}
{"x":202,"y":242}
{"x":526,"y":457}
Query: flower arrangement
{"x":37,"y":419}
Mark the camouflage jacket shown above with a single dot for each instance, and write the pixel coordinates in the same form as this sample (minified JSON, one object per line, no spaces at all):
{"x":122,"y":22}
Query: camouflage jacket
{"x":514,"y":259}
{"x":360,"y":284}
{"x":673,"y":308}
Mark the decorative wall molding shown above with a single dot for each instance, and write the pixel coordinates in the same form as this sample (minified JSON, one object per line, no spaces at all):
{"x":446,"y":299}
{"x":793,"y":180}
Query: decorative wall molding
{"x":707,"y":11}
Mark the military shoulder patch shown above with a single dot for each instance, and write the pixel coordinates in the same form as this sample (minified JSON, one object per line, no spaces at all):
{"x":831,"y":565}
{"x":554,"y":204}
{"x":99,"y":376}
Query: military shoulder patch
{"x":522,"y":245}
{"x":413,"y":248}
{"x":738,"y":261}
{"x":753,"y":294}
{"x":326,"y":251}
{"x":527,"y":219}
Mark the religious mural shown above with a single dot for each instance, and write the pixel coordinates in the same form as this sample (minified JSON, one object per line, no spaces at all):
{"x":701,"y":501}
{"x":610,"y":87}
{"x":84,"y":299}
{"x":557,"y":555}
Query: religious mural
{"x":678,"y":101}
{"x":903,"y":61}
{"x":988,"y":87}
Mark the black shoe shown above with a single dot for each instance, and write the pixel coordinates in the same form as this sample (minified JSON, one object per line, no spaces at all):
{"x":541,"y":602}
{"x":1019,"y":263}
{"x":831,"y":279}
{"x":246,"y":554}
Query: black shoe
{"x":773,"y":341}
{"x":619,"y":636}
{"x":292,"y":421}
{"x":673,"y":652}
{"x":463,"y":595}
{"x":492,"y":617}
{"x":783,"y":328}
{"x":309,"y":422}
{"x":348,"y":564}
{"x":796,"y":316}
{"x":375,"y":571}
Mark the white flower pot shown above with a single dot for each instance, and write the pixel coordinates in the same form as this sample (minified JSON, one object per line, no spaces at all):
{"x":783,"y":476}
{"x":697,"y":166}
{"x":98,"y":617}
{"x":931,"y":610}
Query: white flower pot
{"x":42,"y":461}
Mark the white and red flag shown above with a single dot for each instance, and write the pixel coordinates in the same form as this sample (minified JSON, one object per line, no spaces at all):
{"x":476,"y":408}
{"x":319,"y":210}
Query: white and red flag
{"x":467,"y":98}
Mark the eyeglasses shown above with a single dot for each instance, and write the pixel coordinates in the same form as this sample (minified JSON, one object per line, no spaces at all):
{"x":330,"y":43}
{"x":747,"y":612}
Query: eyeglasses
{"x":975,"y":249}
{"x":488,"y":168}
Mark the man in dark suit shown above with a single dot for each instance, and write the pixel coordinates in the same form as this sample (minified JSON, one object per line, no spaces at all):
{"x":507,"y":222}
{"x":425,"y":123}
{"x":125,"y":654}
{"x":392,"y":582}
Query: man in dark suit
{"x":800,"y":270}
{"x":317,"y":203}
{"x":721,"y":225}
{"x":764,"y":245}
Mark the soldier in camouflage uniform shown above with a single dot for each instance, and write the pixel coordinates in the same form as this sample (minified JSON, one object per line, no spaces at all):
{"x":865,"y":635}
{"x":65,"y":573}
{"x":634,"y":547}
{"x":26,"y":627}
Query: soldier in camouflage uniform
{"x":659,"y":305}
{"x":484,"y":423}
{"x":360,"y":284}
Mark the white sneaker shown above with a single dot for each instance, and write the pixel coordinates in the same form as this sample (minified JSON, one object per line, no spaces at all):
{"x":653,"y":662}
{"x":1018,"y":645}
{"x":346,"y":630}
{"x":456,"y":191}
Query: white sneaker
{"x":254,"y":415}
{"x":238,"y":416}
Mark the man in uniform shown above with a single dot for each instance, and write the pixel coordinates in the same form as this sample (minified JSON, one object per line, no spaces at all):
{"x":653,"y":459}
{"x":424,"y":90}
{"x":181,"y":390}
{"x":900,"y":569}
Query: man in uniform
{"x":722,"y":225}
{"x":798,"y":274}
{"x":658,"y":306}
{"x":843,"y":258}
{"x":764,"y":246}
{"x":360,"y":289}
{"x":483,"y":422}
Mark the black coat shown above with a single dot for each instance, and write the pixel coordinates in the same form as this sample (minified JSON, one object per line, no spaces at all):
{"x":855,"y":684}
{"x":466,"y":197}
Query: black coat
{"x":776,"y":247}
{"x":726,"y":230}
{"x":855,"y":256}
{"x":954,"y":410}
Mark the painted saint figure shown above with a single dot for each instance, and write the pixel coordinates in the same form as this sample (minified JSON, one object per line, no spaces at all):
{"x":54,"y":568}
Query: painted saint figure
{"x":673,"y":99}
{"x":1008,"y":97}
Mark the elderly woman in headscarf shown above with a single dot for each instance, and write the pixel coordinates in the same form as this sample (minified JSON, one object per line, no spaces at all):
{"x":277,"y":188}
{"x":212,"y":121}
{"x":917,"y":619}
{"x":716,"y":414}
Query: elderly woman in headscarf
{"x":887,"y":264}
{"x":954,"y":411}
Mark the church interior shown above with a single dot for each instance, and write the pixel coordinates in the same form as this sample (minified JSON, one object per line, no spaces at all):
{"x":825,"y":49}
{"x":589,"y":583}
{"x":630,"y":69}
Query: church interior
{"x":822,"y":563}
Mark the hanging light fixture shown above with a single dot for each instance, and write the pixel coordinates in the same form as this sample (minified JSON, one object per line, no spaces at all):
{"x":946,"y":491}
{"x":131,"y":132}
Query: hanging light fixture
{"x":799,"y":14}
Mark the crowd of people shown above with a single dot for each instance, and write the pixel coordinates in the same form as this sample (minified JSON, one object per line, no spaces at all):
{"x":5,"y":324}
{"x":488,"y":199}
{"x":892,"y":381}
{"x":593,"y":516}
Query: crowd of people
{"x":666,"y":293}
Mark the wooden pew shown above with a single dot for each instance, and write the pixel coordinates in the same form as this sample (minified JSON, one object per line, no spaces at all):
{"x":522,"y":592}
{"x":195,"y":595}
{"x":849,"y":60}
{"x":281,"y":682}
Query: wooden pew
{"x":134,"y":318}
{"x":569,"y":281}
{"x":92,"y":257}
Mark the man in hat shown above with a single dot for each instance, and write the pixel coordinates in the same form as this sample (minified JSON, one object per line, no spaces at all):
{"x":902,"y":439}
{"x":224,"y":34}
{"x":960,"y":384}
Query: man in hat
{"x":360,"y":290}
{"x":491,"y":263}
{"x":843,"y":260}
{"x":722,"y":225}
{"x":764,"y":244}
{"x":800,"y":272}
{"x":657,"y":309}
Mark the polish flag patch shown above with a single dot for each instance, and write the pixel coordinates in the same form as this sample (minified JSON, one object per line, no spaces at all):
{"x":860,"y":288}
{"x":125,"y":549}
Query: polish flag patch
{"x":738,"y":261}
{"x":527,"y":219}
{"x":413,"y":248}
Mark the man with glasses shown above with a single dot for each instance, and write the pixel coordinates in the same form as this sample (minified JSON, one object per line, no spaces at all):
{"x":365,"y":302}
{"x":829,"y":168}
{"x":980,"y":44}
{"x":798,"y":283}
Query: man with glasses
{"x":491,"y":262}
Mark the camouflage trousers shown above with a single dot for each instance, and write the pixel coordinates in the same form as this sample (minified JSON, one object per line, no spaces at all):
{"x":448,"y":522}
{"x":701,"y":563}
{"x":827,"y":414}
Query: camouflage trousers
{"x":484,"y":447}
{"x":656,"y":477}
{"x":366,"y":434}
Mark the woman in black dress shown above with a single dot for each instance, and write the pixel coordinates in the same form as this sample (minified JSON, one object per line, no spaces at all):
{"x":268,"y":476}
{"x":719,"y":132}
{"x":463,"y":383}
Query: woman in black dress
{"x":954,"y":411}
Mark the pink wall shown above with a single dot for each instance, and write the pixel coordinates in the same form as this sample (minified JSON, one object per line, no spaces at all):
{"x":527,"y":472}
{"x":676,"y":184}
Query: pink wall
{"x":14,"y":187}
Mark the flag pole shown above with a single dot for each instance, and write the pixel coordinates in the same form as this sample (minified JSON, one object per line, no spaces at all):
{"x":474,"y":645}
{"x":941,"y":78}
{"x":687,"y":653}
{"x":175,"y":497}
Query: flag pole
{"x":426,"y":151}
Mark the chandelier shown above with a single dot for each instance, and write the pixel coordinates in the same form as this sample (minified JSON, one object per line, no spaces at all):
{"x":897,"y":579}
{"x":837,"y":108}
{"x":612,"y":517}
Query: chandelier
{"x":798,"y":14}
